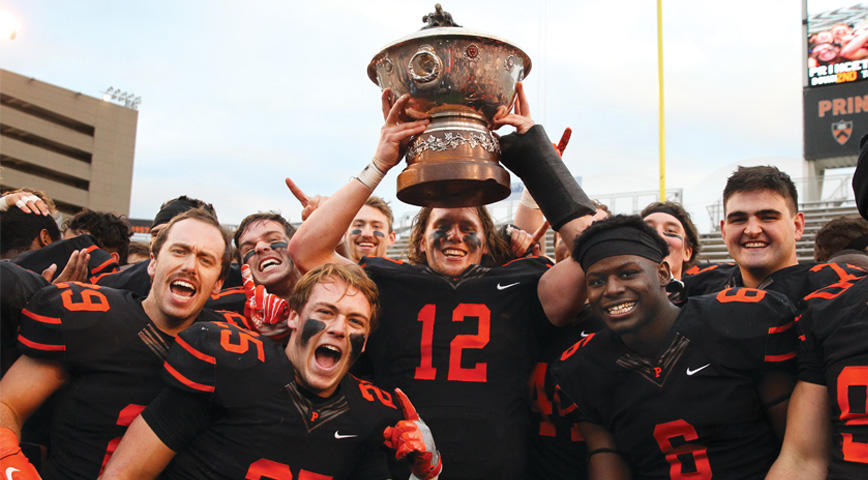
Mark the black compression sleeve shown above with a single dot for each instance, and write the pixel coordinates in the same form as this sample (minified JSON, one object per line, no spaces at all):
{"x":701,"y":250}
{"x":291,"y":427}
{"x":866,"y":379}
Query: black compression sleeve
{"x":533,"y":158}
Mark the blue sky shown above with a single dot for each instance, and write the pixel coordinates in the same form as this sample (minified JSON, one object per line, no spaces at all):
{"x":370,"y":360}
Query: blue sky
{"x":238,"y":95}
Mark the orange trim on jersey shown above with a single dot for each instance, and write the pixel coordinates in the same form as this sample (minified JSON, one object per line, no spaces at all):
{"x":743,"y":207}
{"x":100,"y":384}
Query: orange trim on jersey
{"x":91,"y":248}
{"x":98,"y":277}
{"x":782,"y":328}
{"x":40,"y":318}
{"x":393,"y":260}
{"x":802,"y":338}
{"x":102,"y":265}
{"x":186,"y":381}
{"x":41,"y":346}
{"x":520,"y":258}
{"x":780,"y":358}
{"x":227,"y":291}
{"x":196,"y":353}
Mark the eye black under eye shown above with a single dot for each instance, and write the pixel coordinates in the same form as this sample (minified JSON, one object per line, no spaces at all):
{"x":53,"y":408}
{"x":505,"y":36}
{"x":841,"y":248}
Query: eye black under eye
{"x":247,"y":256}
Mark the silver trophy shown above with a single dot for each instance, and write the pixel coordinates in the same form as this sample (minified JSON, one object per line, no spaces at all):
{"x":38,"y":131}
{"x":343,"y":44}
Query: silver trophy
{"x":459,"y":78}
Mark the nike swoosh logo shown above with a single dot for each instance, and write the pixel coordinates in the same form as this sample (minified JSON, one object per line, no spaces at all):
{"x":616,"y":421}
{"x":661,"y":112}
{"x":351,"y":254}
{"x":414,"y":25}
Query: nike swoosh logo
{"x":504,"y":287}
{"x":693,"y":372}
{"x":10,"y":471}
{"x":339,"y":436}
{"x":584,"y":333}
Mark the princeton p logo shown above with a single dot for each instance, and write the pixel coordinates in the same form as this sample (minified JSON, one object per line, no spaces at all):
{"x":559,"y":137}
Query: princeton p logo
{"x":842,"y":130}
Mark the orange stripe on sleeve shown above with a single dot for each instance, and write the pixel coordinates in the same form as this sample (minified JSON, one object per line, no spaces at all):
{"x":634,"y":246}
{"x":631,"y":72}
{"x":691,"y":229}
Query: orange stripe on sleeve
{"x":92,"y":248}
{"x":782,"y":328}
{"x":196,"y":353}
{"x":780,"y":358}
{"x":186,"y":381}
{"x":40,"y":318}
{"x":41,"y":346}
{"x":102,"y":265}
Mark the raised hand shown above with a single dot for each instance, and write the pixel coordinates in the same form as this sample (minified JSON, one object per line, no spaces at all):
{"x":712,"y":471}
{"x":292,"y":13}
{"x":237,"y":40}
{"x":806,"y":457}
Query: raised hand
{"x":520,"y":118}
{"x":266,"y":311}
{"x":412,"y":438}
{"x":396,"y":133}
{"x":308,"y":204}
{"x":74,"y":271}
{"x":27,"y":202}
{"x":565,"y":139}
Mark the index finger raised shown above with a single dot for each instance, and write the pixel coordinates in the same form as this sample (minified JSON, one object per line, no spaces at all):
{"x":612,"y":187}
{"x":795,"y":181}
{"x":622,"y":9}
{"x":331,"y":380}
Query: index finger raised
{"x":407,"y":408}
{"x":297,"y":192}
{"x":397,"y":108}
{"x":247,"y":281}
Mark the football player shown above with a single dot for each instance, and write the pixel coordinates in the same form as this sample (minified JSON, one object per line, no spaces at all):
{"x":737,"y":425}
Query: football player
{"x":261,"y":241}
{"x":238,"y":406}
{"x":458,"y":337}
{"x":827,"y":424}
{"x":102,"y":350}
{"x":760,"y":227}
{"x":663,"y":392}
{"x":136,"y":277}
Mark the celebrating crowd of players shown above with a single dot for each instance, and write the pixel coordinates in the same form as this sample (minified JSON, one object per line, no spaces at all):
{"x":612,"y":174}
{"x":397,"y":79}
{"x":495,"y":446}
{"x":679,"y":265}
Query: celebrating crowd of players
{"x":309,"y":354}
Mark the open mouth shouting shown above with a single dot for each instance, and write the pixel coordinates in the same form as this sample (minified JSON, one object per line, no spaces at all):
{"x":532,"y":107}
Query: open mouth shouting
{"x":327,"y":357}
{"x":182,"y":288}
{"x":269,"y":263}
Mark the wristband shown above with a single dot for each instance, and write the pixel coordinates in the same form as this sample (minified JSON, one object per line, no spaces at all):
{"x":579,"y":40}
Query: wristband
{"x":370,"y":176}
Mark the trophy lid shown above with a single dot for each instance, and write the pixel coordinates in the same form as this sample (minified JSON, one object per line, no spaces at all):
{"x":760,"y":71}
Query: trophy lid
{"x":439,"y":24}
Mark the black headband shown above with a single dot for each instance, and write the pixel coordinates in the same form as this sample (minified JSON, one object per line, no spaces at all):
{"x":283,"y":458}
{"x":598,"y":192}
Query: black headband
{"x":665,"y":209}
{"x":171,"y":210}
{"x":618,"y":241}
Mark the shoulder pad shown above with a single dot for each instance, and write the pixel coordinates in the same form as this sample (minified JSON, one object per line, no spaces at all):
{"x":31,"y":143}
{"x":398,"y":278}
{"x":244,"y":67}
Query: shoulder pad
{"x":198,"y":351}
{"x":77,"y":322}
{"x":232,"y":299}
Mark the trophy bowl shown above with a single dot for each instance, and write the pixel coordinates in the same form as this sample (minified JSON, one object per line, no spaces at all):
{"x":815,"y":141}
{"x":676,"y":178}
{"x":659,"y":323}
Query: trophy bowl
{"x":458,"y":78}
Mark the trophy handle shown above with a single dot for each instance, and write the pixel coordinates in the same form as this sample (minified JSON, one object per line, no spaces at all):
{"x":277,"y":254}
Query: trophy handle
{"x":424,"y":65}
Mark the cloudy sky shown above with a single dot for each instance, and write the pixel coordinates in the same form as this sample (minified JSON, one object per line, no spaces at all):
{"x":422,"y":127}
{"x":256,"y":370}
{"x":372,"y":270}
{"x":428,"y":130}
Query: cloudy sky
{"x":238,"y":95}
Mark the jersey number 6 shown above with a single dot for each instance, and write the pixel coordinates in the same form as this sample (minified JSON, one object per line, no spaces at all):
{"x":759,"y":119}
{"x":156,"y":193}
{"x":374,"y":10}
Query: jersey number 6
{"x":479,"y":372}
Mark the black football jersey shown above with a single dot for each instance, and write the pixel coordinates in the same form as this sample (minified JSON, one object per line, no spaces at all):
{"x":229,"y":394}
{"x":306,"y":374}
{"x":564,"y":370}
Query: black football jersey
{"x":232,"y":409}
{"x":695,"y":411}
{"x":556,"y":449}
{"x":101,"y":262}
{"x":17,"y":285}
{"x":113,"y":355}
{"x":794,"y":281}
{"x":834,"y":353}
{"x":462,"y":349}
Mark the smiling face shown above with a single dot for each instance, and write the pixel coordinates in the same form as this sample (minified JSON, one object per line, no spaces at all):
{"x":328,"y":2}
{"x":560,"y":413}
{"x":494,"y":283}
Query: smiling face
{"x":263,"y":247}
{"x":184,"y":273}
{"x":760,"y":232}
{"x":672,"y":231}
{"x":369,"y":235}
{"x":626,"y":292}
{"x":330,"y":332}
{"x":453,"y":240}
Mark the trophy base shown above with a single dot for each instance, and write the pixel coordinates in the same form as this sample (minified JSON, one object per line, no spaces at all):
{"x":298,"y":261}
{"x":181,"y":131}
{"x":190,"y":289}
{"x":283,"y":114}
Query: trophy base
{"x":454,"y":163}
{"x":453,"y":184}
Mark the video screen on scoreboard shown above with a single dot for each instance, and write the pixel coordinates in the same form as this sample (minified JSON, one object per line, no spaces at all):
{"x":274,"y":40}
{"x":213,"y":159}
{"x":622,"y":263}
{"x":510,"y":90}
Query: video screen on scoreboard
{"x":837,"y":42}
